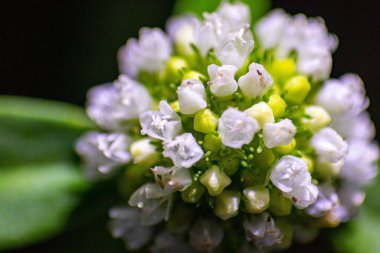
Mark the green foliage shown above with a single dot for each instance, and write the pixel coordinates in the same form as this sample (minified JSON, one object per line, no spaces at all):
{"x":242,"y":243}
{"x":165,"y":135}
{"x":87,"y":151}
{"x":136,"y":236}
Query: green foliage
{"x":258,"y":7}
{"x":39,"y":185}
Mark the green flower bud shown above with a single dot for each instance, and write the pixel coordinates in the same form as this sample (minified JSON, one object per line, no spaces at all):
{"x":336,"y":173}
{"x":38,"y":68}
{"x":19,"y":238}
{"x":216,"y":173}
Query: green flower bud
{"x":318,"y":118}
{"x":286,"y":149}
{"x":227,"y":204}
{"x":287,"y":234}
{"x":277,"y":104}
{"x":176,"y":223}
{"x":296,"y":89}
{"x":205,"y":121}
{"x":282,"y":69}
{"x":279,"y":205}
{"x":261,"y":112}
{"x":229,"y":165}
{"x":215,"y":180}
{"x":309,"y":162}
{"x":264,"y":159}
{"x":174,"y":68}
{"x":193,"y":193}
{"x":192,"y":74}
{"x":256,"y":199}
{"x":212,"y":142}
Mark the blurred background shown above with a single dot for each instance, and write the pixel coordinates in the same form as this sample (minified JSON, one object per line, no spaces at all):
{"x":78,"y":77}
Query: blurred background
{"x":56,"y":49}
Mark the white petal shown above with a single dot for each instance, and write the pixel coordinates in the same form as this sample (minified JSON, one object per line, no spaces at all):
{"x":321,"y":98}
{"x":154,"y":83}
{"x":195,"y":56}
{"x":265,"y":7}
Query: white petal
{"x":303,"y":196}
{"x":191,"y":96}
{"x":222,"y":81}
{"x":280,"y":133}
{"x":256,"y":82}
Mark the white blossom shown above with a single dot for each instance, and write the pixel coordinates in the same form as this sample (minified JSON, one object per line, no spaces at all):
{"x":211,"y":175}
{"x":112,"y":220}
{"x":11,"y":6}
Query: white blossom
{"x":142,"y":150}
{"x":280,"y":133}
{"x":112,"y":106}
{"x":206,"y":234}
{"x":222,"y":81}
{"x":164,"y":124}
{"x":327,"y":200}
{"x":184,"y":150}
{"x":360,"y":164}
{"x":237,"y":14}
{"x":329,"y":145}
{"x":191,"y":96}
{"x":149,"y":53}
{"x":125,"y":224}
{"x":344,"y":96}
{"x":209,"y":34}
{"x":154,"y":202}
{"x":355,"y":127}
{"x":256,"y":82}
{"x":236,"y":128}
{"x":269,"y":29}
{"x":172,"y":179}
{"x":350,"y":198}
{"x":290,"y":173}
{"x":103,"y":153}
{"x":303,"y":196}
{"x":262,"y":230}
{"x":315,"y":61}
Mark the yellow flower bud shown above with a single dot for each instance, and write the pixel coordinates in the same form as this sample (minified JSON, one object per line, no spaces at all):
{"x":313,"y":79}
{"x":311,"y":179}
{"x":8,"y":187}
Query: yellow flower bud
{"x":286,"y":149}
{"x":277,"y":104}
{"x":174,"y":66}
{"x":192,"y":74}
{"x":296,"y":89}
{"x":318,"y":118}
{"x":175,"y":105}
{"x":205,"y":121}
{"x":282,"y":69}
{"x":215,"y":180}
{"x":212,"y":142}
{"x":261,"y":112}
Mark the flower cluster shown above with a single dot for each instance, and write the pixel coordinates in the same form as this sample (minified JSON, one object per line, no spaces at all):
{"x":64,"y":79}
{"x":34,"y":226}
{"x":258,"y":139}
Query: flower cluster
{"x":221,"y":145}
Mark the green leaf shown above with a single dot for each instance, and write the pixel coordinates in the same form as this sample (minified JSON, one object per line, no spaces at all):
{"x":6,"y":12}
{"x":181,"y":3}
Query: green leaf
{"x":258,"y":7}
{"x":36,"y":201}
{"x":44,"y":111}
{"x":34,"y":130}
{"x":362,"y":235}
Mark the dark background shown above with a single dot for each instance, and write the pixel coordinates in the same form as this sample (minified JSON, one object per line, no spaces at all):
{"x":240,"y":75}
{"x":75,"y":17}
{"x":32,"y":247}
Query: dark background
{"x":57,"y":49}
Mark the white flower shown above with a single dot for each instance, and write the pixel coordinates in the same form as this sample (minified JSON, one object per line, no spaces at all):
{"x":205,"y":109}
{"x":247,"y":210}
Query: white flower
{"x":355,"y":127}
{"x":206,"y":234}
{"x":103,"y":153}
{"x":154,"y":203}
{"x":112,"y":106}
{"x":342,"y":97}
{"x":318,"y":117}
{"x":256,"y":82}
{"x":262,"y":231}
{"x":329,"y":145}
{"x":191,"y":96}
{"x":280,"y":133}
{"x":269,"y":29}
{"x":149,"y":53}
{"x":360,"y":164}
{"x":181,"y":30}
{"x":315,"y":61}
{"x":209,"y":34}
{"x":303,"y":196}
{"x":290,"y":173}
{"x":327,"y":200}
{"x":142,"y":150}
{"x":184,"y":150}
{"x":237,"y":14}
{"x":164,"y":124}
{"x":125,"y":223}
{"x":235,"y":47}
{"x":350,"y":198}
{"x":172,"y":179}
{"x":222,"y":81}
{"x":236,"y":128}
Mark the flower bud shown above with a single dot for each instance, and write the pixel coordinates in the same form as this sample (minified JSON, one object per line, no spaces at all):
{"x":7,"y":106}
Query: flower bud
{"x":205,"y":121}
{"x":192,"y":74}
{"x":222,"y":81}
{"x":280,"y":133}
{"x":261,"y":112}
{"x":279,"y":205}
{"x":174,"y":66}
{"x":256,"y":82}
{"x":206,"y":235}
{"x":318,"y":118}
{"x":296,"y":90}
{"x":191,"y":96}
{"x":286,"y":149}
{"x":329,"y":145}
{"x":193,"y":193}
{"x":212,"y":142}
{"x":229,"y":165}
{"x":227,"y":204}
{"x":143,"y":152}
{"x":283,"y":69}
{"x":277,"y":104}
{"x":256,"y":199}
{"x":215,"y":180}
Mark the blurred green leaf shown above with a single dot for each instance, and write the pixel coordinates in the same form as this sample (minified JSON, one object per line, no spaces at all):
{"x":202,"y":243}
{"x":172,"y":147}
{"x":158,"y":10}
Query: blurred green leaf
{"x":36,"y":201}
{"x":361,"y":235}
{"x":44,"y":111}
{"x":34,"y":130}
{"x":258,"y":7}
